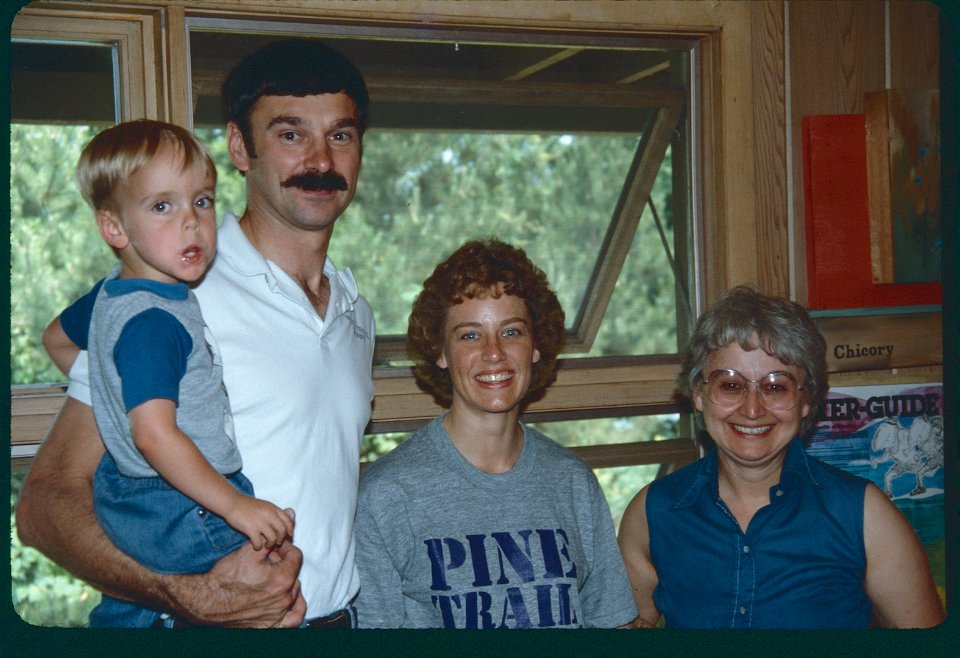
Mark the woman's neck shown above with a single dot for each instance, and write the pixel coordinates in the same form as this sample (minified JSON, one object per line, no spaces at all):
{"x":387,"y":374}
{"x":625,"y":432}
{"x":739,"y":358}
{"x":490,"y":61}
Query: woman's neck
{"x":745,"y":490}
{"x":491,"y":442}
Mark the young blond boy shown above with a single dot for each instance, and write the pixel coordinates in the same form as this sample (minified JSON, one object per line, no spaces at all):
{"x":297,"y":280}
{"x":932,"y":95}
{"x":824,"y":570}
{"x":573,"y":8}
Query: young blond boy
{"x":169,"y":491}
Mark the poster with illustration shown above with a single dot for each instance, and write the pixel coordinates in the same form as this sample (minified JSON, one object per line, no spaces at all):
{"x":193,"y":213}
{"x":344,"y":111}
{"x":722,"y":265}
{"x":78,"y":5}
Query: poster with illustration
{"x":892,"y":436}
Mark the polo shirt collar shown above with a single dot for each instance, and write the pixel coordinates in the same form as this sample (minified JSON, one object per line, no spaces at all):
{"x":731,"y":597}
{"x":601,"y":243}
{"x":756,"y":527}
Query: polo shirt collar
{"x":234,"y":247}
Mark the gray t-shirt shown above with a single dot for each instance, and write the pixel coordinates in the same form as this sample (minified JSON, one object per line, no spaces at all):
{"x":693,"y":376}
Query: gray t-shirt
{"x":442,"y":544}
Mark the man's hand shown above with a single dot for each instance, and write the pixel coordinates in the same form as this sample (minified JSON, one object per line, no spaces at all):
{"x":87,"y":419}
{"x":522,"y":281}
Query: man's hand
{"x":247,"y":588}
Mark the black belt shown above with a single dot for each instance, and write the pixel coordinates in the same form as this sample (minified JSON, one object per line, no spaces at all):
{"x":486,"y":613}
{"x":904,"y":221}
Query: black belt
{"x":339,"y":619}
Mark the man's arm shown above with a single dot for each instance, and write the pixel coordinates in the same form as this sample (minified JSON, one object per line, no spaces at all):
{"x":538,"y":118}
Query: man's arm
{"x":634,"y":540}
{"x":898,"y":579}
{"x":55,"y":515}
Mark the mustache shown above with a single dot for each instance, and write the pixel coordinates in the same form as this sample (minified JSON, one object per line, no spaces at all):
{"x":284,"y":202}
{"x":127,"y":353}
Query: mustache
{"x":316,"y":181}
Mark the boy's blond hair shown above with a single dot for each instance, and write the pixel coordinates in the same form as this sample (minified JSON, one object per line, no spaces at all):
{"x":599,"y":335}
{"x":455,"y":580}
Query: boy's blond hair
{"x":117,"y":153}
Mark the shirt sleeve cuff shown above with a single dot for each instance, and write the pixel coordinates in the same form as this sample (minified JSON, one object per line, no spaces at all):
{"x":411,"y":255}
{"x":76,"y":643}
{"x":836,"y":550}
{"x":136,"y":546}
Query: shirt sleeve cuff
{"x":79,"y":387}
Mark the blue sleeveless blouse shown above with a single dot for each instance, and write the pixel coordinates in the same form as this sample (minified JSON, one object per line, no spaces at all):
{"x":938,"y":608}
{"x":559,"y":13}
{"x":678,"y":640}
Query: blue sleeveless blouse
{"x":800,"y":564}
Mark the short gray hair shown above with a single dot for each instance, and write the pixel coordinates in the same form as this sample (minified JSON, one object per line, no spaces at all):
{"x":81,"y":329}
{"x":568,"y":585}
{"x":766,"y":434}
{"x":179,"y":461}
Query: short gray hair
{"x":780,"y":327}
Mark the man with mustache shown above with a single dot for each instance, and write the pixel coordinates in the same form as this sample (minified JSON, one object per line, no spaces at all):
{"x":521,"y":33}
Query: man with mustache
{"x":296,"y":340}
{"x":317,"y":181}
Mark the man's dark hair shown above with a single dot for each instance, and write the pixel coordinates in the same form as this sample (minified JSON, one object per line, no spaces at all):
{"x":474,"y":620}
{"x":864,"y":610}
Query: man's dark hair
{"x":292,"y":67}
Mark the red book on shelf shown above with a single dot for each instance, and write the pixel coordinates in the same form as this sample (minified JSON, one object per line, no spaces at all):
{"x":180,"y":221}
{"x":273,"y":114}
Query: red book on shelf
{"x":838,"y":221}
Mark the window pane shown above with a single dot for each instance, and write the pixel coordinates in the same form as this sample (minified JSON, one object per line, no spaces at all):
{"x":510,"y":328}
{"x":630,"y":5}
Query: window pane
{"x":642,"y":316}
{"x":43,"y":75}
{"x":628,"y":429}
{"x":56,"y":253}
{"x":422,"y":194}
{"x":620,"y":483}
{"x":53,"y":241}
{"x":534,"y":144}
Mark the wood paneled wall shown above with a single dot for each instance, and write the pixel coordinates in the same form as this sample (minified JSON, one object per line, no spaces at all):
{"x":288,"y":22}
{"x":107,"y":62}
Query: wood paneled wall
{"x":840,"y":50}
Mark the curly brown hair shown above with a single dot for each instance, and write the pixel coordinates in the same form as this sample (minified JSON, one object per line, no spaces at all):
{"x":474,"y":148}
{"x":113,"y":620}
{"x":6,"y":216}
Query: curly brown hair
{"x":477,"y":269}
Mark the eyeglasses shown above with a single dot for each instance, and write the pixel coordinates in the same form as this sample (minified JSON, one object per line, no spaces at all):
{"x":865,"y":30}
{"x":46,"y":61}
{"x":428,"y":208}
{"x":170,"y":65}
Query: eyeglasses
{"x":779,"y":390}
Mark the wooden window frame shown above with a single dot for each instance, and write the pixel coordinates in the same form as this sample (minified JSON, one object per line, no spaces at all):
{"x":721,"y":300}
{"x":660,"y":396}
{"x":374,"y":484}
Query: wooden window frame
{"x":666,"y":107}
{"x":731,"y":146}
{"x":136,"y":33}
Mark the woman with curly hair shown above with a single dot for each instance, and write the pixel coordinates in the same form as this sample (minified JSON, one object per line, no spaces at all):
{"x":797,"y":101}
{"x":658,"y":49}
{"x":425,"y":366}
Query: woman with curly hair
{"x":478,"y":521}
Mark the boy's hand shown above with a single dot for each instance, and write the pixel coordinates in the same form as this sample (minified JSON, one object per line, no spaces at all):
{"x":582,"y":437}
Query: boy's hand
{"x":265,"y":524}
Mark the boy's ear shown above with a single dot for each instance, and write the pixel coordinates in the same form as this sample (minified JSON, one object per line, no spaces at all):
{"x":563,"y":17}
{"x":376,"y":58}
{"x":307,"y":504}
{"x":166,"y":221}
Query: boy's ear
{"x":111,"y":229}
{"x":237,"y":147}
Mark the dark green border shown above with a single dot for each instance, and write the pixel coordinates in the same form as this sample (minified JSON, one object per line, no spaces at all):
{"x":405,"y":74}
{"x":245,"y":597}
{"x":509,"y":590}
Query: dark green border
{"x":20,"y":639}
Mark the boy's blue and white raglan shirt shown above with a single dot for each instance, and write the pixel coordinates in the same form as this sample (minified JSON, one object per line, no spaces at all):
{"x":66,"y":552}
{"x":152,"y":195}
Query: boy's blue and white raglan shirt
{"x":147,"y":340}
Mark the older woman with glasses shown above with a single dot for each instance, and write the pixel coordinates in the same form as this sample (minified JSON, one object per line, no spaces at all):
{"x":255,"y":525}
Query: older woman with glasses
{"x":758,"y":534}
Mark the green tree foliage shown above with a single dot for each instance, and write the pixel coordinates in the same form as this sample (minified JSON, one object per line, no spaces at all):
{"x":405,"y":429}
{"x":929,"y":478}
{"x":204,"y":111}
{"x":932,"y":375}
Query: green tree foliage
{"x":56,"y":253}
{"x":43,"y":593}
{"x":421,"y":195}
{"x":620,"y":484}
